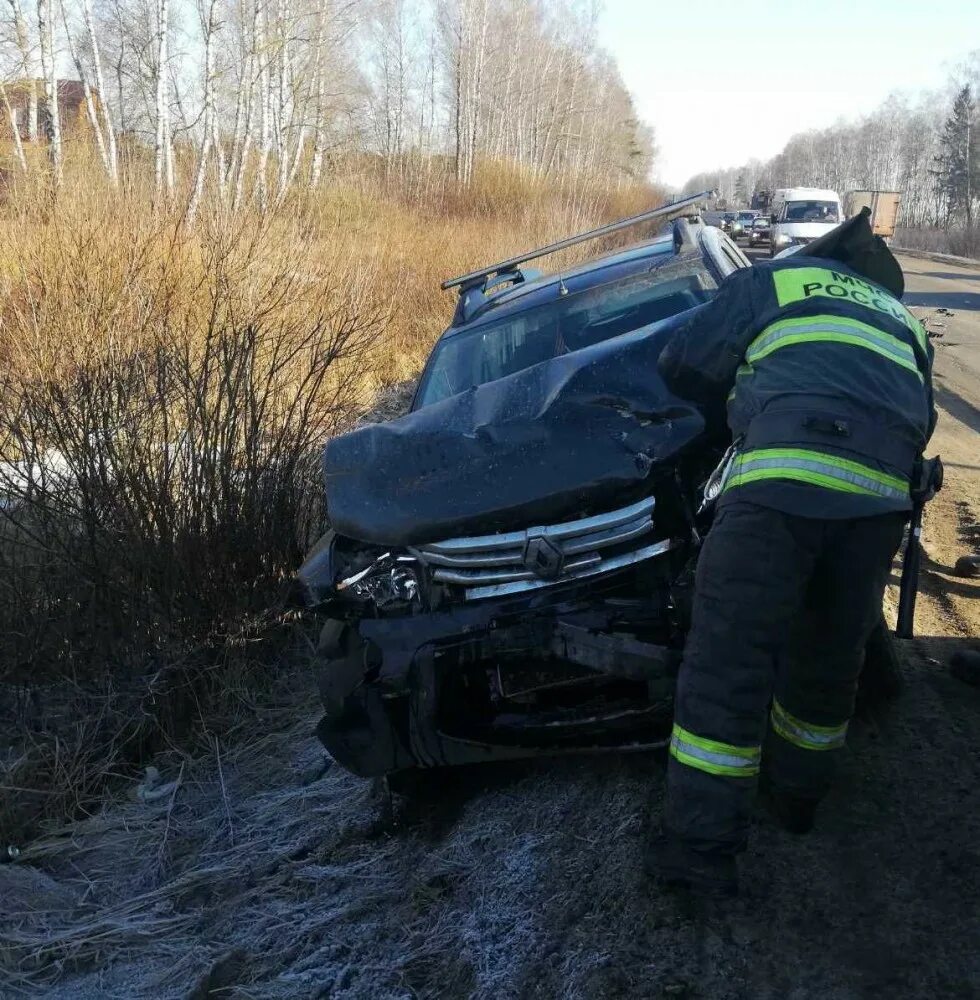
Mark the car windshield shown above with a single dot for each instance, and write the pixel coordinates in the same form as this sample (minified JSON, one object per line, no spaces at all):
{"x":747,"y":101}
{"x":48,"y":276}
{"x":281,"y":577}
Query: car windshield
{"x":746,"y":216}
{"x":558,"y":327}
{"x":811,"y":211}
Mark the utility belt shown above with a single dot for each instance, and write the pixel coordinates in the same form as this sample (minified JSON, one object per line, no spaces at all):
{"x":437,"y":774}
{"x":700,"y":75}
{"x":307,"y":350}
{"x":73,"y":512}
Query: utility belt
{"x":816,"y":427}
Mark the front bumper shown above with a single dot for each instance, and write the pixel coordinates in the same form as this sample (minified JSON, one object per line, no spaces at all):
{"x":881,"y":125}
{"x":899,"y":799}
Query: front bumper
{"x":412,"y":709}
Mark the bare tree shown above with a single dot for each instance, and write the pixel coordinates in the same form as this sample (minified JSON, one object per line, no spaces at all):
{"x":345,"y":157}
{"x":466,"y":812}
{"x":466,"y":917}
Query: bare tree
{"x":26,"y":51}
{"x":209,"y":27}
{"x":14,"y":130}
{"x":107,"y":125}
{"x":94,"y":117}
{"x":163,"y":146}
{"x":46,"y":36}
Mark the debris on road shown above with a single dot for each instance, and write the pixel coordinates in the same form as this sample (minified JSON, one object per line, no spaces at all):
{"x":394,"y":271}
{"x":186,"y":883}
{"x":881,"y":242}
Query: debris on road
{"x":150,"y":789}
{"x":968,"y":566}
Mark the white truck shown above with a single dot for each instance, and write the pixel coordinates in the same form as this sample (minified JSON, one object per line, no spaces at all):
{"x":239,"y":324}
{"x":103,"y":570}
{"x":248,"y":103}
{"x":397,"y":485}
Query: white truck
{"x":800,"y":215}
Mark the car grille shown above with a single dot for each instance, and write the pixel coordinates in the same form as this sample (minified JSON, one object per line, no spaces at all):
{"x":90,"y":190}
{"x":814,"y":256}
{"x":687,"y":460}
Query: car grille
{"x":511,"y":562}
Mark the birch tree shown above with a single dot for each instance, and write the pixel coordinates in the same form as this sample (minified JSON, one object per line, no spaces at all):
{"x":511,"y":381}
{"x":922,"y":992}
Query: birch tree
{"x":14,"y":130}
{"x":26,"y":52}
{"x":48,"y":69}
{"x":163,"y":151}
{"x":209,"y":26}
{"x":94,"y":118}
{"x":107,"y":126}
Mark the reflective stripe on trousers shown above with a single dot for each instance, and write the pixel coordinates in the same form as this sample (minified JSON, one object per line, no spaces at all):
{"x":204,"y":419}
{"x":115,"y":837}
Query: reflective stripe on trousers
{"x":714,"y":757}
{"x":806,"y":735}
{"x":834,"y":330}
{"x":818,"y":469}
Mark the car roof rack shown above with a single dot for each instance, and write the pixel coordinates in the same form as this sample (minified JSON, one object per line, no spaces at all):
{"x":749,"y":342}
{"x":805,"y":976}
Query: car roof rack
{"x":511,"y":266}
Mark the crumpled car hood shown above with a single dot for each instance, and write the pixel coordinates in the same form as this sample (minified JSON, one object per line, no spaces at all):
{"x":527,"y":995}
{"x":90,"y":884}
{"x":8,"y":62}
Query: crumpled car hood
{"x":574,"y":433}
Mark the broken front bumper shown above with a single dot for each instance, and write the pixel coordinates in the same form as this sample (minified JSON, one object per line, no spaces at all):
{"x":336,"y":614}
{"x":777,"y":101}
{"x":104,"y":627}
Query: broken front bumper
{"x":402,"y":712}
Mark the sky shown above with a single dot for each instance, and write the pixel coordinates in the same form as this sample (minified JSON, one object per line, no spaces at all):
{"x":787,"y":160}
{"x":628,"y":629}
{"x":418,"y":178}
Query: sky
{"x":723,"y":81}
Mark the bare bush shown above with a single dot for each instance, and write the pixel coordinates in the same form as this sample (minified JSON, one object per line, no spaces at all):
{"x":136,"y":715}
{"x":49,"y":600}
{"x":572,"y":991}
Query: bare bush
{"x":961,"y":242}
{"x":158,"y":482}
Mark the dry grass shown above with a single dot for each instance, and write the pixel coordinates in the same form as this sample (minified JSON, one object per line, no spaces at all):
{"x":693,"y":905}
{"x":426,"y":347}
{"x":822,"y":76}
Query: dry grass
{"x":164,"y":392}
{"x":266,"y":873}
{"x":961,"y":242}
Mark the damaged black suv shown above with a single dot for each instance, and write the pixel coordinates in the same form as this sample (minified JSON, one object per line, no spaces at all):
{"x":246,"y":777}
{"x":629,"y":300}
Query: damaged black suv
{"x":509,"y":566}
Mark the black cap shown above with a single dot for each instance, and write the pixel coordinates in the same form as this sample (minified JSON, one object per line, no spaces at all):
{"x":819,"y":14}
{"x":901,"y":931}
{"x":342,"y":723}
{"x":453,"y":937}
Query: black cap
{"x":856,"y":246}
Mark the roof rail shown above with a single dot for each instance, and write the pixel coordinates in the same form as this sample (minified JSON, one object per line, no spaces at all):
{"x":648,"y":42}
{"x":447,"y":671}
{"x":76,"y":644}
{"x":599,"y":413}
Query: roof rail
{"x":570,"y":241}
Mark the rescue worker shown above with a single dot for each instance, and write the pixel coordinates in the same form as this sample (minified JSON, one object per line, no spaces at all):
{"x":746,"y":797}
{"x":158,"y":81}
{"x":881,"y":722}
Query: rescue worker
{"x":827,"y":378}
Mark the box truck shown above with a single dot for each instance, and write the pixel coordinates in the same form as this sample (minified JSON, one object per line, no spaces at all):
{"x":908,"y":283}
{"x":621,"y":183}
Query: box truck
{"x":884,"y":207}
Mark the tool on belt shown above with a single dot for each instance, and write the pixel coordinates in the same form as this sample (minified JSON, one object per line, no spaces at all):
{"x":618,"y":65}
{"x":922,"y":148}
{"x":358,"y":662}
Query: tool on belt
{"x":927,"y":481}
{"x":716,"y":481}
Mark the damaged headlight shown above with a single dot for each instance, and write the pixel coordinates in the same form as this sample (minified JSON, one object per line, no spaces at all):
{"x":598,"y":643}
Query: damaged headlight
{"x":388,"y":580}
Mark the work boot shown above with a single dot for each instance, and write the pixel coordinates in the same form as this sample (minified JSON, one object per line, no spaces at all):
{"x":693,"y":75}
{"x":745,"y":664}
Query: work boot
{"x":677,"y":866}
{"x":794,"y":813}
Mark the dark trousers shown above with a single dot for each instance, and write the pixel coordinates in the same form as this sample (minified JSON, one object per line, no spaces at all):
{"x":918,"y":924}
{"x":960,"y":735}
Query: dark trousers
{"x":783,"y":609}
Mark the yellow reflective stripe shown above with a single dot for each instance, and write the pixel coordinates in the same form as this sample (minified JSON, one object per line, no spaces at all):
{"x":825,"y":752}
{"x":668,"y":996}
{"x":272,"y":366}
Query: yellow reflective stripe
{"x":799,"y":475}
{"x":817,"y":469}
{"x":806,"y":735}
{"x":713,"y":756}
{"x":832,"y":329}
{"x":749,"y":753}
{"x":840,"y":463}
{"x":801,"y":284}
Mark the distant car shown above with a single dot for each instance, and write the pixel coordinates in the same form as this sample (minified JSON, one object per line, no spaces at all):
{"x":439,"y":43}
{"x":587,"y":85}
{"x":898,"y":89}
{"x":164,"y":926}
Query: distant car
{"x":760,"y":232}
{"x":745,"y":220}
{"x":731,"y":225}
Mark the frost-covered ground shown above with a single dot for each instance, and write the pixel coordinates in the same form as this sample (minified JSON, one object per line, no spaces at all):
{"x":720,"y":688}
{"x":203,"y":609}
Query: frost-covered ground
{"x":266,"y":872}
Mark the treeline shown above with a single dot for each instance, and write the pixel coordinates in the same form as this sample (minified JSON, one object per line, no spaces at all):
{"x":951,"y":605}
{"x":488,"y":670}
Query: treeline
{"x":927,"y":147}
{"x":250,"y":98}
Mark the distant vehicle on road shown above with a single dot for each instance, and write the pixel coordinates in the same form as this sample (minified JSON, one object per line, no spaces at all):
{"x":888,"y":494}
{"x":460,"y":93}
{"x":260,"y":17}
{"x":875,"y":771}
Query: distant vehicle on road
{"x":735,"y":226}
{"x":801,"y":215}
{"x":884,"y":207}
{"x":745,"y":219}
{"x":760,"y":231}
{"x":727,"y":222}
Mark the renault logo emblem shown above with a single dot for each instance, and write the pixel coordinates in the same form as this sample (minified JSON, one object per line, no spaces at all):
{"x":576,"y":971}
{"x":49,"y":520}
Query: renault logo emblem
{"x":543,"y":558}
